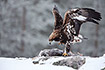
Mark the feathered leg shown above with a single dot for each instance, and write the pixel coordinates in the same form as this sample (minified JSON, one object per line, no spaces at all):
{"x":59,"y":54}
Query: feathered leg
{"x":67,"y":50}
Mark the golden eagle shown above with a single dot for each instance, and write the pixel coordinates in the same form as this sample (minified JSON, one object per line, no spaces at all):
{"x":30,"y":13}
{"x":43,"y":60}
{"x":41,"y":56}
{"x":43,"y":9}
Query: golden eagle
{"x":67,"y":31}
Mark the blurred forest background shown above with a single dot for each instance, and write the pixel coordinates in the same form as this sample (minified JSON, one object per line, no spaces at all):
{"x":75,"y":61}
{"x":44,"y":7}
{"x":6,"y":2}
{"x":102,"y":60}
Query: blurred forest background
{"x":25,"y":26}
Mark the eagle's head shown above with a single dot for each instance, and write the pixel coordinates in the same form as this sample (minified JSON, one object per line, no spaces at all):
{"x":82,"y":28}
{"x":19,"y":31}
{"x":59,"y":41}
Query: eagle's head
{"x":55,"y":36}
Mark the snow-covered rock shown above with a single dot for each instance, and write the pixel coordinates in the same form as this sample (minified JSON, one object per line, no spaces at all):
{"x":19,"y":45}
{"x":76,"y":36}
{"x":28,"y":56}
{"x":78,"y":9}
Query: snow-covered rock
{"x":52,"y":63}
{"x":51,"y":52}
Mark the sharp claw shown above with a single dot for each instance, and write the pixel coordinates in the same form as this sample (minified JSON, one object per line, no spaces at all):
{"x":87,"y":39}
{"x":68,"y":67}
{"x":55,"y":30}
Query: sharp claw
{"x":65,"y":54}
{"x":79,"y":54}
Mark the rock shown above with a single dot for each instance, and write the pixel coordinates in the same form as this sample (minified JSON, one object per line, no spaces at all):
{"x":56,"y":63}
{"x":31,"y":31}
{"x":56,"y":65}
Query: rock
{"x":103,"y":69}
{"x":35,"y":62}
{"x":75,"y":62}
{"x":56,"y":52}
{"x":51,"y":52}
{"x":70,"y":61}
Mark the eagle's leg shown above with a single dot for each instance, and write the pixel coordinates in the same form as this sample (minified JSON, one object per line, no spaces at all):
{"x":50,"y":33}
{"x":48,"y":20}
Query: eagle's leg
{"x":67,"y":50}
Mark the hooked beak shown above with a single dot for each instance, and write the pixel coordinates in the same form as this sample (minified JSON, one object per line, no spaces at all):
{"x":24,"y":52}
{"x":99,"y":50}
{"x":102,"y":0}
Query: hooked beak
{"x":50,"y":42}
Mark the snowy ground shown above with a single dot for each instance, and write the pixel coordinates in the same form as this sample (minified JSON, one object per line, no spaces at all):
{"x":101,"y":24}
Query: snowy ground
{"x":91,"y":63}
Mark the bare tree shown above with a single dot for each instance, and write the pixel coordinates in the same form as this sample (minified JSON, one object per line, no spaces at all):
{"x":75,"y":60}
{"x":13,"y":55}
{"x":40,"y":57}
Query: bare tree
{"x":95,"y":53}
{"x":23,"y":29}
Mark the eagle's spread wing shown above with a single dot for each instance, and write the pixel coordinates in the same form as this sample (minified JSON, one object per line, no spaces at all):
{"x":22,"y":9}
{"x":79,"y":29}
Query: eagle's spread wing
{"x":85,"y":14}
{"x":58,"y":19}
{"x":56,"y":34}
{"x":78,"y":16}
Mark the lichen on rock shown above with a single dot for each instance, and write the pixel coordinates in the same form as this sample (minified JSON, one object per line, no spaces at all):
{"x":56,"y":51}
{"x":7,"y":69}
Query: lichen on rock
{"x":74,"y":62}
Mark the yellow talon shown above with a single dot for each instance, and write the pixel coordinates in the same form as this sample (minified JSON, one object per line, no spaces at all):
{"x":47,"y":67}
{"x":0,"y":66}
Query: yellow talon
{"x":65,"y":54}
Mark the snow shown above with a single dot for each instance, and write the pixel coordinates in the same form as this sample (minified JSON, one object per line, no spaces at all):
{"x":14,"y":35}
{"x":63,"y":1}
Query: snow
{"x":92,"y":63}
{"x":27,"y":64}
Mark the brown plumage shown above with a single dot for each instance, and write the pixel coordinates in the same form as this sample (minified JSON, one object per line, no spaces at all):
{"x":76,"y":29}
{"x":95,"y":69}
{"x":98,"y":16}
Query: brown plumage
{"x":56,"y":35}
{"x":67,"y":31}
